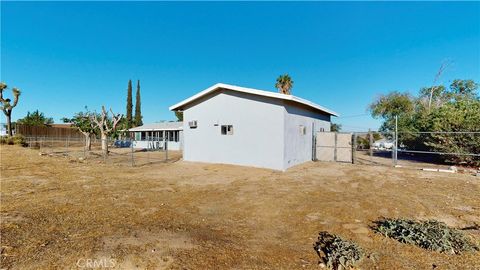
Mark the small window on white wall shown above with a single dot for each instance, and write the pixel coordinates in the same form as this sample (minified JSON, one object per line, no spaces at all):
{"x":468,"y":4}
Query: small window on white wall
{"x":322,"y":130}
{"x":303,"y":130}
{"x":227,"y":129}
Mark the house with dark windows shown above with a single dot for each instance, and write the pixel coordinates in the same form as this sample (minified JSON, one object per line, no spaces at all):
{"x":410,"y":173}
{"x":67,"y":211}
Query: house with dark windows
{"x":154,"y":136}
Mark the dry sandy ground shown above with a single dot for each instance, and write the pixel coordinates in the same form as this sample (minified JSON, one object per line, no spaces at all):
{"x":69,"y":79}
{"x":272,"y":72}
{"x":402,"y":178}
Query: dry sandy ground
{"x":58,"y":213}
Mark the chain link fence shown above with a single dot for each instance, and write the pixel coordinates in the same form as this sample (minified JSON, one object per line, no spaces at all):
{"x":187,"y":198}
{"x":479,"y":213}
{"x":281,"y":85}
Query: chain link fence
{"x":120,"y":152}
{"x":404,"y":149}
{"x":371,"y":148}
{"x":436,"y":151}
{"x":422,"y":150}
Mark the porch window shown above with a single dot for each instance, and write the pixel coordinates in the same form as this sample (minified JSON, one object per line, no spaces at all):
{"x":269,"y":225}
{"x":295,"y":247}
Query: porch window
{"x":173,"y":135}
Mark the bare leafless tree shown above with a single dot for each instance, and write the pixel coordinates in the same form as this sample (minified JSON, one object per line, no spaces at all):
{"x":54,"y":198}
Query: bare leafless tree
{"x":105,"y":125}
{"x":442,"y":68}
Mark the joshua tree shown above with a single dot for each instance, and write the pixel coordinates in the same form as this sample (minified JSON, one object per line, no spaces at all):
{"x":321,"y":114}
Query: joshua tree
{"x":105,"y":125}
{"x":7,"y":107}
{"x":284,"y":84}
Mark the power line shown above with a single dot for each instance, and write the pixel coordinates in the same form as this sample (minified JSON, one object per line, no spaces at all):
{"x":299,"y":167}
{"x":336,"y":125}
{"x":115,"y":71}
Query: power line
{"x":440,"y":132}
{"x":352,"y":116}
{"x":348,"y":126}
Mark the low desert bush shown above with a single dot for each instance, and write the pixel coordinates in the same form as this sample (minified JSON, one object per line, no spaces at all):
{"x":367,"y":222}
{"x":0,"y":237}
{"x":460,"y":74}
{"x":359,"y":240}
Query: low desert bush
{"x":431,"y":235}
{"x":19,"y":140}
{"x":337,"y":252}
{"x":13,"y":140}
{"x":7,"y":140}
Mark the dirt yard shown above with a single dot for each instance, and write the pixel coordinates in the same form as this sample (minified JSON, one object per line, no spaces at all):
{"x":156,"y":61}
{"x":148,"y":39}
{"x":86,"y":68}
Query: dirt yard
{"x":62,"y":213}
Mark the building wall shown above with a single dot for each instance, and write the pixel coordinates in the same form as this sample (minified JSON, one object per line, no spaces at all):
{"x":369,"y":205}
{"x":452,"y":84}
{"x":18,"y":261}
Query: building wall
{"x":258,"y":129}
{"x":298,"y":147}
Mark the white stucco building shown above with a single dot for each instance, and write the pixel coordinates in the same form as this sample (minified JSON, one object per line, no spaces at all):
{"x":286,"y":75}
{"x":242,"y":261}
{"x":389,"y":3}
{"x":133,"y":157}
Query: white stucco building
{"x":154,"y":136}
{"x":243,"y":126}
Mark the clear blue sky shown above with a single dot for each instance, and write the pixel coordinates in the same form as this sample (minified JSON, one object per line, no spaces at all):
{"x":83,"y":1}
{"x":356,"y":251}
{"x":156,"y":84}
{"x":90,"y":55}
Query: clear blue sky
{"x":65,"y":55}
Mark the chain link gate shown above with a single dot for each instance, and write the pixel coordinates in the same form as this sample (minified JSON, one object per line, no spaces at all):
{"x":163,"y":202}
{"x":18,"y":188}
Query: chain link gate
{"x":333,"y":146}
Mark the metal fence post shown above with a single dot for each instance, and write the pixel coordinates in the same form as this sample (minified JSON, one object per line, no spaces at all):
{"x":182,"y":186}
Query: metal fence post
{"x":393,"y":152}
{"x":131,"y":148}
{"x":370,"y":143}
{"x":166,"y":150}
{"x":396,"y":140}
{"x":149,"y":148}
{"x":66,"y":143}
{"x":335,"y":148}
{"x":314,"y":143}
{"x":105,"y":152}
{"x":354,"y":147}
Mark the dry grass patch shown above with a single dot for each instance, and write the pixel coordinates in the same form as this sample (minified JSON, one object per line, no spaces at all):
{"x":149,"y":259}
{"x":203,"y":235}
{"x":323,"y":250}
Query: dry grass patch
{"x":185,"y":215}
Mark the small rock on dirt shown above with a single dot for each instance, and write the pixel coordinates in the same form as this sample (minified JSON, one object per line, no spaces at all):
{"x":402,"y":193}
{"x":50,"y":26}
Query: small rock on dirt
{"x":453,"y":168}
{"x":360,"y":230}
{"x":373,"y":257}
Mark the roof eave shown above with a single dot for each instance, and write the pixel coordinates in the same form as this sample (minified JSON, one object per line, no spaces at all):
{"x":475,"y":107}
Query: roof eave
{"x":154,"y":129}
{"x":178,"y":106}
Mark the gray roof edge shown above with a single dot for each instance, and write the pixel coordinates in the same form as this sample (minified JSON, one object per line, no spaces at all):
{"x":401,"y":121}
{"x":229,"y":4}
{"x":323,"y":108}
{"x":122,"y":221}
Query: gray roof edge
{"x":253,"y":91}
{"x":159,"y":126}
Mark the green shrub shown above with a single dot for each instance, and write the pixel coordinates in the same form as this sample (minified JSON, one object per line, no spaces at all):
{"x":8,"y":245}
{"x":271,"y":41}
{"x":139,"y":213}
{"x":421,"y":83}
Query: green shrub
{"x":337,"y":253}
{"x":19,"y":140}
{"x":13,"y":140}
{"x":431,"y":235}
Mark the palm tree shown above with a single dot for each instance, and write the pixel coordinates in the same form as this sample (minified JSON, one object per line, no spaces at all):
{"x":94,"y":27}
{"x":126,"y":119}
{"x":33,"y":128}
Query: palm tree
{"x":284,"y":84}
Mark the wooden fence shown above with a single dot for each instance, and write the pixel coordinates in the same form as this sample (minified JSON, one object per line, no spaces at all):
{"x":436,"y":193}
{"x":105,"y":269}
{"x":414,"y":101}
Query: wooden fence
{"x":48,"y":131}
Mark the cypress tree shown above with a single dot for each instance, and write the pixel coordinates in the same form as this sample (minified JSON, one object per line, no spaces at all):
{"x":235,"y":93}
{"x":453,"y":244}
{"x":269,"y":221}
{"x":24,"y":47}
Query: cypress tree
{"x":138,"y":110}
{"x":129,"y":105}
